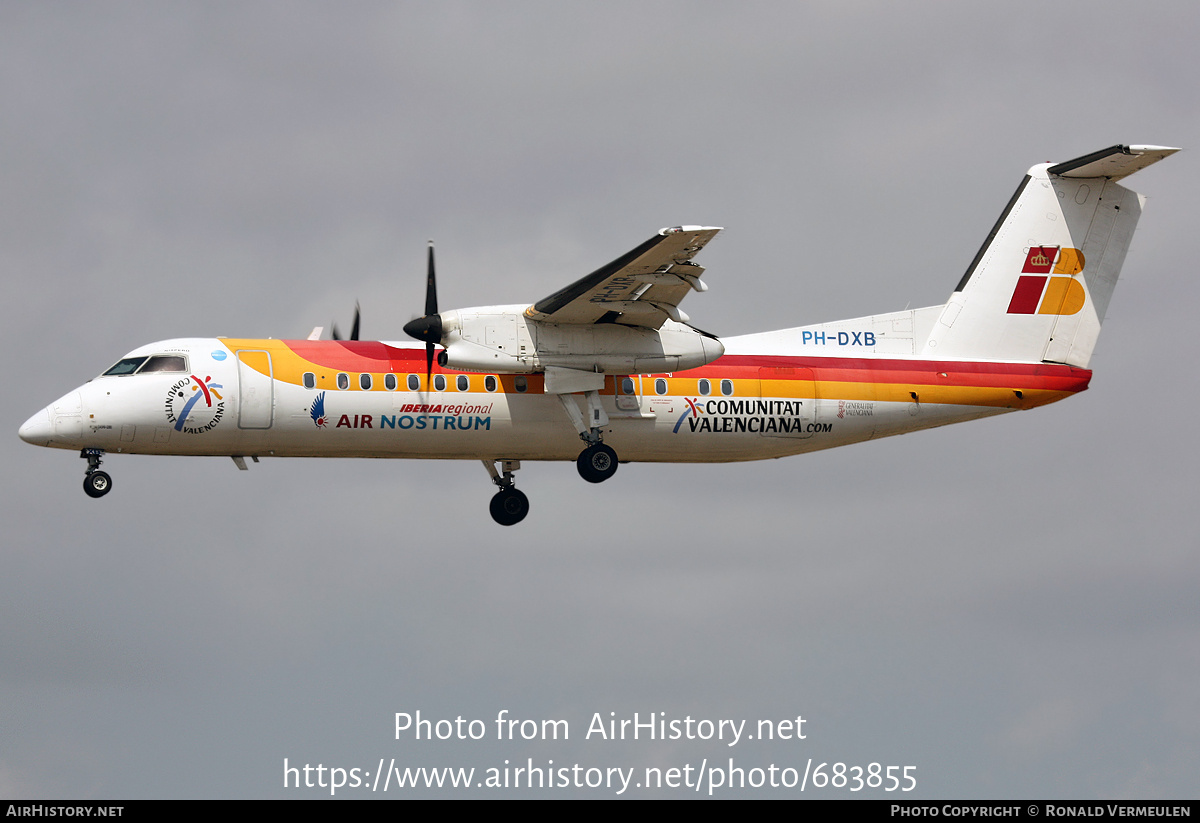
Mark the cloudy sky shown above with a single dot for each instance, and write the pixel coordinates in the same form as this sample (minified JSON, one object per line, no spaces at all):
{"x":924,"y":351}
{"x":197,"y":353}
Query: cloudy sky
{"x":1009,"y":605}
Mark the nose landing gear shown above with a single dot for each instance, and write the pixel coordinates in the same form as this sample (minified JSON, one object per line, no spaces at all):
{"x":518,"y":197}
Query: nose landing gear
{"x":509,"y":505}
{"x":95,"y":482}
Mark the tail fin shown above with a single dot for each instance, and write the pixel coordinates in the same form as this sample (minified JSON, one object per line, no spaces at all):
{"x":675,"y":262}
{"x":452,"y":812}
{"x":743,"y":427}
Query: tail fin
{"x":1039,"y":287}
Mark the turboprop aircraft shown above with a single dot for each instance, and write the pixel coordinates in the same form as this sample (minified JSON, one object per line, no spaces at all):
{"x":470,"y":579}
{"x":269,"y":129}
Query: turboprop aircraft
{"x":612,"y":361}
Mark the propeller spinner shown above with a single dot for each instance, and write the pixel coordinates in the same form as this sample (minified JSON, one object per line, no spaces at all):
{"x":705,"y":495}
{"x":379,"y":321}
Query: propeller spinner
{"x":428,"y":329}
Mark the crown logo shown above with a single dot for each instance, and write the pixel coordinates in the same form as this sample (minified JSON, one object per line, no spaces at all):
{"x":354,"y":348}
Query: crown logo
{"x":1039,"y":259}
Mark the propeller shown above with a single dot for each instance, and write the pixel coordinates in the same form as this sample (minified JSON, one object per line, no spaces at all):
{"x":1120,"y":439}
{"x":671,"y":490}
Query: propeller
{"x":428,"y":329}
{"x":353,"y":329}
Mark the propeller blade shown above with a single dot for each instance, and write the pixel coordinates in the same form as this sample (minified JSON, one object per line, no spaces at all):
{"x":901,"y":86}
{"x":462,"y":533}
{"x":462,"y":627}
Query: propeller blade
{"x":430,"y":287}
{"x":428,"y":329}
{"x":353,"y":329}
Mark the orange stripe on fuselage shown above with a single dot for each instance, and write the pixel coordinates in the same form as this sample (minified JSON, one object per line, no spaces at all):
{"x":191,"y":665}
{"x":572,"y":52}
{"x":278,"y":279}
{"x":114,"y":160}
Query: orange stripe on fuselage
{"x":835,"y":378}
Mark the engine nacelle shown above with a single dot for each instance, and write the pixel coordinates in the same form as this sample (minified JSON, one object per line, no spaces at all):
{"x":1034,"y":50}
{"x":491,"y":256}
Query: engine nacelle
{"x":502,"y":339}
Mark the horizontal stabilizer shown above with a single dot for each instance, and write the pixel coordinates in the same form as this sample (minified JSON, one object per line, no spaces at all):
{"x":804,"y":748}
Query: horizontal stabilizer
{"x":1114,"y":162}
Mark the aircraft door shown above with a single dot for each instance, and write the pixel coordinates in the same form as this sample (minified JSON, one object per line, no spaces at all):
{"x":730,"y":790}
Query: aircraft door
{"x":790,"y":395}
{"x":256,"y":398}
{"x":628,"y":392}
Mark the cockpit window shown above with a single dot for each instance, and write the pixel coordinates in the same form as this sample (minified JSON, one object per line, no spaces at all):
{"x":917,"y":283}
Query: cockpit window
{"x":165,"y":362}
{"x":127,"y":366}
{"x":144,"y":365}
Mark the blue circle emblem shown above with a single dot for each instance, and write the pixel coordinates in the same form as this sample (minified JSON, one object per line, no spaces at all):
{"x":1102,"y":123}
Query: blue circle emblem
{"x":218,"y":355}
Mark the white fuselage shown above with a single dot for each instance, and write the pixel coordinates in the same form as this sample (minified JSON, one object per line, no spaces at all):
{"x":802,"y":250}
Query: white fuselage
{"x":744,"y":406}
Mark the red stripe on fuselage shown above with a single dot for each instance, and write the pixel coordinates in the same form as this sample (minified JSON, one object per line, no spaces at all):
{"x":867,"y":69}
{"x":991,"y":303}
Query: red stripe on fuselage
{"x":870,"y":370}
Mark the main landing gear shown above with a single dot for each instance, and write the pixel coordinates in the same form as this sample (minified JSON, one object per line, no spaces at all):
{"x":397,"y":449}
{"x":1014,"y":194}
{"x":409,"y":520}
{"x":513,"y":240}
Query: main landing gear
{"x":509,"y":505}
{"x":597,"y":462}
{"x":95,"y":482}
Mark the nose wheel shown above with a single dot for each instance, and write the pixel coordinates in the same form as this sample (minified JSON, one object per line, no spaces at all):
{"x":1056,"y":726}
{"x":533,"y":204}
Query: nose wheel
{"x":509,"y":505}
{"x":95,"y":482}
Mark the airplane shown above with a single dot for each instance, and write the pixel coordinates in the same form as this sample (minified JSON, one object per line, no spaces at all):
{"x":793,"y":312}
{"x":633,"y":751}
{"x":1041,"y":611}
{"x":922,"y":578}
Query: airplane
{"x":612,"y":361}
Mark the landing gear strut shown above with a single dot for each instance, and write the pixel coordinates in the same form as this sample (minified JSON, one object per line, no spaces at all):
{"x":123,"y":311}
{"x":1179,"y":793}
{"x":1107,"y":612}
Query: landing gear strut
{"x":95,"y":482}
{"x":509,"y":505}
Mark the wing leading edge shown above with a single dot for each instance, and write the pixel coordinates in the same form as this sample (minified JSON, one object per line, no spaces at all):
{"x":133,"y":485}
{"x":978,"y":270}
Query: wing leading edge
{"x":640,"y":288}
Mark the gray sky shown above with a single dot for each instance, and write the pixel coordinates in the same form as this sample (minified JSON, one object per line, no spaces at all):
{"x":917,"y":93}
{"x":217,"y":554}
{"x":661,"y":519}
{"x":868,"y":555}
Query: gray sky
{"x":1008,"y":605}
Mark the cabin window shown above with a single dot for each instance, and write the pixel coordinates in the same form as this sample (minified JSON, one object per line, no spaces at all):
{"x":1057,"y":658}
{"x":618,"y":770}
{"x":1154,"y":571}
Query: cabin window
{"x":660,"y":386}
{"x":127,"y":366}
{"x":626,"y":385}
{"x":439,"y":382}
{"x":364,"y":382}
{"x":705,"y":388}
{"x":310,"y":380}
{"x":521,"y":383}
{"x":414,"y":382}
{"x":343,"y":381}
{"x":727,"y":387}
{"x":389,"y":382}
{"x":489,"y":382}
{"x":462,"y":383}
{"x":165,"y":362}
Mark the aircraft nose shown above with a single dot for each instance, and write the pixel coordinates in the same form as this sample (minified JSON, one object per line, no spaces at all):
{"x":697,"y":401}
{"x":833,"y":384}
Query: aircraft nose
{"x":60,"y":424}
{"x":38,"y":429}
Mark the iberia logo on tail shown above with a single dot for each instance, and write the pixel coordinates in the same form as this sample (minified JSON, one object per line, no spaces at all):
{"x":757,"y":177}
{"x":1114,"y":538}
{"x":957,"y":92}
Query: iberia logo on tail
{"x":1037,"y":293}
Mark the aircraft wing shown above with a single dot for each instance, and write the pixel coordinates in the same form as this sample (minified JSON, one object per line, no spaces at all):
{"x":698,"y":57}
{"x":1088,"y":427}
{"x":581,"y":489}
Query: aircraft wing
{"x":640,"y":288}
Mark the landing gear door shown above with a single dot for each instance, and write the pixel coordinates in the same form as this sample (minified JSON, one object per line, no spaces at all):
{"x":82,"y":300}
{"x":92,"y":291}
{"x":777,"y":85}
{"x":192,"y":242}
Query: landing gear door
{"x":256,"y":399}
{"x":790,"y":399}
{"x":628,"y":392}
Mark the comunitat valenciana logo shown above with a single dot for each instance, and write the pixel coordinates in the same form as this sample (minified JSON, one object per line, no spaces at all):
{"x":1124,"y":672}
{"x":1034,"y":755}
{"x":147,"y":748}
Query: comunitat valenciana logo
{"x":195,"y":406}
{"x":693,"y":409}
{"x":1039,"y":293}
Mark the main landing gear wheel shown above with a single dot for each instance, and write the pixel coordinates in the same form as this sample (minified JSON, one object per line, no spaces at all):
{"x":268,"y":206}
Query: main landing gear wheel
{"x":509,"y":506}
{"x":97,"y":484}
{"x":597,"y":463}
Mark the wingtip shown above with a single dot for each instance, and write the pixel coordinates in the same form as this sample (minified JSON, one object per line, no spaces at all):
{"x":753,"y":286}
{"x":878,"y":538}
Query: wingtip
{"x":1164,"y":150}
{"x":677,"y":229}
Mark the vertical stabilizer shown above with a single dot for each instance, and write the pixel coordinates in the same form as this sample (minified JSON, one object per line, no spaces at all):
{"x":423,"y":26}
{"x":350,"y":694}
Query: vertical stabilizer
{"x":1039,"y":287}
